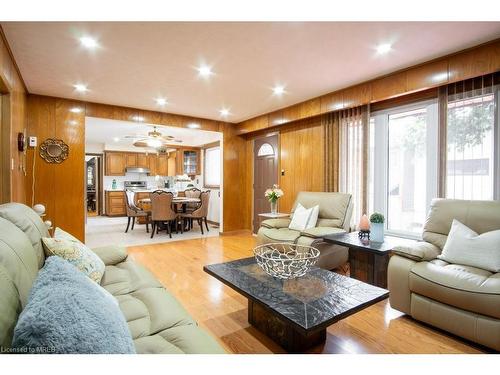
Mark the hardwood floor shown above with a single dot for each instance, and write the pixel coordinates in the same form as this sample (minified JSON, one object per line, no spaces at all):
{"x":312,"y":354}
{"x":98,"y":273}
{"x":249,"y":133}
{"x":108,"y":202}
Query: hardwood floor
{"x":223,"y":312}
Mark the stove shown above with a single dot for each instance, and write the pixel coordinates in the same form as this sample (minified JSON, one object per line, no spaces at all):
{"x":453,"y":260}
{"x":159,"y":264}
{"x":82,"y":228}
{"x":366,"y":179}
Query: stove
{"x":135,"y":185}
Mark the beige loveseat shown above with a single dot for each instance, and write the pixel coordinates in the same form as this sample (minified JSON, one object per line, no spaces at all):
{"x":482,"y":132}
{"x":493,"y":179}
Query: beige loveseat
{"x":157,"y":321}
{"x":460,"y":299}
{"x":335,"y":210}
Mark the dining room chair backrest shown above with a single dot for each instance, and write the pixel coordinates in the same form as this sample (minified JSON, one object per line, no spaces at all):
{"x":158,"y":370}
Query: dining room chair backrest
{"x":192,"y":193}
{"x":202,"y":210}
{"x":129,"y":200}
{"x":161,"y":206}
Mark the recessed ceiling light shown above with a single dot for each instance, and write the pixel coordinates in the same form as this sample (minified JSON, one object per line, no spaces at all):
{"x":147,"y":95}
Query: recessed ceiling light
{"x":80,"y":87}
{"x":89,"y":42}
{"x":116,"y":139}
{"x":138,"y":118}
{"x":384,"y":48}
{"x":193,"y":125}
{"x":278,"y":90}
{"x":204,"y":71}
{"x":224,"y":112}
{"x":75,"y":110}
{"x":161,"y":101}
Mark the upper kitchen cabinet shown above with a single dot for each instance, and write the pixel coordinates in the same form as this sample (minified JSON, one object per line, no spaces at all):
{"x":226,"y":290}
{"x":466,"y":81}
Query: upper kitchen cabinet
{"x":162,"y":165}
{"x":188,"y":161}
{"x":131,"y":160}
{"x":152,"y":162}
{"x":143,"y":161}
{"x":115,"y":163}
{"x":172,"y":163}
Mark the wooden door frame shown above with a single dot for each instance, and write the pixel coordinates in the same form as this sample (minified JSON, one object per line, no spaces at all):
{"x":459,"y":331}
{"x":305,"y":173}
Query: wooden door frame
{"x":5,"y":145}
{"x":278,"y":156}
{"x":99,"y":189}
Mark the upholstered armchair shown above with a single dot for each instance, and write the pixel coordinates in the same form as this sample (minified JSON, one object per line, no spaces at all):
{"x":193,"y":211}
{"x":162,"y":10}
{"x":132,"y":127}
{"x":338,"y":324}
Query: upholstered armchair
{"x":460,"y":299}
{"x":335,"y":211}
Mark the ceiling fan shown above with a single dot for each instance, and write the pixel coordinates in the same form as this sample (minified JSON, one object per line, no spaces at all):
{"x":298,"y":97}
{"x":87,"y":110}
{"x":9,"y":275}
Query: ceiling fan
{"x":153,"y":139}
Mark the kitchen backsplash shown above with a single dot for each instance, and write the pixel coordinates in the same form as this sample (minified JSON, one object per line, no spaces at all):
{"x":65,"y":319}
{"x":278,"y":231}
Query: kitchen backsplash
{"x":151,"y":181}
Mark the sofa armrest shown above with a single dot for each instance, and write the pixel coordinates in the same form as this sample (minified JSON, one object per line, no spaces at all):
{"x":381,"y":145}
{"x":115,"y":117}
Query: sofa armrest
{"x":420,"y":251}
{"x":111,"y":254}
{"x":320,"y":232}
{"x":276,"y":223}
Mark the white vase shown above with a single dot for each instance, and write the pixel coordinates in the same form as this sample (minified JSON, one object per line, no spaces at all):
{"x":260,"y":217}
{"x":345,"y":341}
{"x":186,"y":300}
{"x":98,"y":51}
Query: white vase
{"x":274,"y":207}
{"x":377,"y":232}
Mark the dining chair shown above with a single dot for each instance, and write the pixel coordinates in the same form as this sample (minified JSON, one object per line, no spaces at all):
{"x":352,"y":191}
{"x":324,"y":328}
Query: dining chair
{"x":162,"y":211}
{"x":200,"y":213}
{"x":190,"y":207}
{"x":133,"y":211}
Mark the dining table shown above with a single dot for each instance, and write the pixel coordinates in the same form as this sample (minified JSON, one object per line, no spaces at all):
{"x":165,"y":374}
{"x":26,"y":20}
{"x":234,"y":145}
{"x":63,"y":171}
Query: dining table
{"x":145,"y":204}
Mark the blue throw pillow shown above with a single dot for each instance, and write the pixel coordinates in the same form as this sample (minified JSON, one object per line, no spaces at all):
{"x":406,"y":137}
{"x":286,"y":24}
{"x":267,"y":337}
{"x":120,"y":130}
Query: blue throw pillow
{"x":67,"y":313}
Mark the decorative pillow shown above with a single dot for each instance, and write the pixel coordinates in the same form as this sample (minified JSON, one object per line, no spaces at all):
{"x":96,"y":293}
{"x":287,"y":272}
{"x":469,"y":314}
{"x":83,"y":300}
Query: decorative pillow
{"x":466,"y":247}
{"x":63,"y":235}
{"x":314,"y":217}
{"x":66,"y":313}
{"x":77,"y":254}
{"x":301,"y":217}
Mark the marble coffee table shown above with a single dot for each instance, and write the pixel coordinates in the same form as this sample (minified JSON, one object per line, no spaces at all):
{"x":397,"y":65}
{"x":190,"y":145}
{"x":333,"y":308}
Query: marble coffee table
{"x":295,"y":313}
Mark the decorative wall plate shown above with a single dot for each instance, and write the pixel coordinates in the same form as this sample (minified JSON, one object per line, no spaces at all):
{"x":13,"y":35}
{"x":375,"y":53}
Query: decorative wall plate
{"x":54,"y":151}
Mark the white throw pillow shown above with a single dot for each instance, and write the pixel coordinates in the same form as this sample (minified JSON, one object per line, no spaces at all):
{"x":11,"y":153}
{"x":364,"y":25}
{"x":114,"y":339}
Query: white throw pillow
{"x":313,"y":219}
{"x":301,"y":218}
{"x":466,"y":247}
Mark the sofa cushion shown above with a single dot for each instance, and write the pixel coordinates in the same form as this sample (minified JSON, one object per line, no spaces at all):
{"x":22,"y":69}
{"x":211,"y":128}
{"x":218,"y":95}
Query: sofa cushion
{"x":279,"y":235}
{"x":480,"y":216}
{"x":30,"y":223}
{"x":276,"y":223}
{"x":77,"y":254}
{"x":67,"y":313}
{"x":418,"y":251}
{"x":464,"y":246}
{"x":465,"y":287}
{"x":333,"y":207}
{"x":320,"y":232}
{"x":111,"y":254}
{"x":127,"y":277}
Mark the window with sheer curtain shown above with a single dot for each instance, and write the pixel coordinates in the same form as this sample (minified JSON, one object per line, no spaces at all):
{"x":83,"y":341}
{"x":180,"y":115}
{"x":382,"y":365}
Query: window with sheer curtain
{"x":471,"y":137}
{"x":212,"y":167}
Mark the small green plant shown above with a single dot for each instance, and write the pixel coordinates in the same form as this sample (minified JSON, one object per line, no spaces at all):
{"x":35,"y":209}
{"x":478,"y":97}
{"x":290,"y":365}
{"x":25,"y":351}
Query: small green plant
{"x":377,"y":218}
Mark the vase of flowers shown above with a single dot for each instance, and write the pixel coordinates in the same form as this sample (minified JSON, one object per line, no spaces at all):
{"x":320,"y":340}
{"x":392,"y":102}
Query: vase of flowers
{"x":377,"y":227}
{"x":272,"y":196}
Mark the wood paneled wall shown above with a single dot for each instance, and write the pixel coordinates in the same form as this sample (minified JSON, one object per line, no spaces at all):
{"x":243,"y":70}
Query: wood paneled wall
{"x":12,"y":184}
{"x":483,"y":59}
{"x":302,"y":159}
{"x":60,"y":187}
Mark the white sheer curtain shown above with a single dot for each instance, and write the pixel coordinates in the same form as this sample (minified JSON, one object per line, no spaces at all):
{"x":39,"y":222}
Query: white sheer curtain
{"x":353,"y":165}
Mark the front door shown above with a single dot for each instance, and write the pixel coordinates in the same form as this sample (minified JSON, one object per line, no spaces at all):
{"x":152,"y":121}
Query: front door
{"x":265,"y":174}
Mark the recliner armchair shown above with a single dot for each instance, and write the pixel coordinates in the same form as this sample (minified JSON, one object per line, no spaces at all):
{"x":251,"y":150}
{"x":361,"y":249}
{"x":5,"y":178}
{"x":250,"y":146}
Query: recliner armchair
{"x":460,"y":299}
{"x":335,"y":211}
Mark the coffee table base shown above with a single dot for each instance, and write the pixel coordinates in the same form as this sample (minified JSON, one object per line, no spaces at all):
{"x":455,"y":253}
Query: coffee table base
{"x":368,"y":267}
{"x":281,"y":331}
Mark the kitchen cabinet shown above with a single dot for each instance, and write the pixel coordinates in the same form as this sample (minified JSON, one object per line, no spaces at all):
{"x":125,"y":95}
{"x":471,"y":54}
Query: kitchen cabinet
{"x":131,"y":159}
{"x":172,"y":164}
{"x":152,"y":161}
{"x":114,"y":164}
{"x":162,"y":165}
{"x":115,"y":203}
{"x":188,"y":161}
{"x":142,"y":161}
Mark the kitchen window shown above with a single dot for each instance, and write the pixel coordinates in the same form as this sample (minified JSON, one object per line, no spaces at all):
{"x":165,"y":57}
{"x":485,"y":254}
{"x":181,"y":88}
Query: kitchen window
{"x":211,"y":178}
{"x":404,"y":165}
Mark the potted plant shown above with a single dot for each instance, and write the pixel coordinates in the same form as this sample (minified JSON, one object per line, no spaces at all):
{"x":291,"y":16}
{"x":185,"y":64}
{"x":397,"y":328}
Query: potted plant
{"x":377,"y":227}
{"x":272,"y":196}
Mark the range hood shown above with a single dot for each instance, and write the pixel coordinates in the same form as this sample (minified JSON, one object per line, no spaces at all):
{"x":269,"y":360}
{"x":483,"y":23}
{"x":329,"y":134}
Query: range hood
{"x":137,"y":170}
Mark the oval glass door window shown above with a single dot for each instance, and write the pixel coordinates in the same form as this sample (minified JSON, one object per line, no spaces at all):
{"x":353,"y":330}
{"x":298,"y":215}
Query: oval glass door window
{"x":265,"y":150}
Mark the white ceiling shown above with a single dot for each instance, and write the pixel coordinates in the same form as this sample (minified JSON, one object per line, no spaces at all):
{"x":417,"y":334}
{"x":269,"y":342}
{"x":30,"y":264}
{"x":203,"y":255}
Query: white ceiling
{"x":103,"y":131}
{"x":140,"y":61}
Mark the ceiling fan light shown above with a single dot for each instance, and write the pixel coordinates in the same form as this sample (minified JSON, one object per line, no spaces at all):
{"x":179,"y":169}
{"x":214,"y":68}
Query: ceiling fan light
{"x":155,"y":143}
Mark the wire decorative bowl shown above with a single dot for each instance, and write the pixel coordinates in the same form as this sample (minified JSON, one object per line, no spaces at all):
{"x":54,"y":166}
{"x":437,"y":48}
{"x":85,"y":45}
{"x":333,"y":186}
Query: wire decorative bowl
{"x":286,"y":260}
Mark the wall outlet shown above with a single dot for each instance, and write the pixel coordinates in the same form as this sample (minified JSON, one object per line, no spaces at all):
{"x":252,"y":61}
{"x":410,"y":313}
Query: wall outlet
{"x":32,"y":141}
